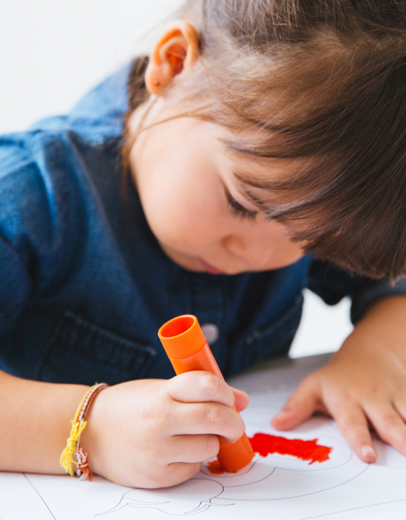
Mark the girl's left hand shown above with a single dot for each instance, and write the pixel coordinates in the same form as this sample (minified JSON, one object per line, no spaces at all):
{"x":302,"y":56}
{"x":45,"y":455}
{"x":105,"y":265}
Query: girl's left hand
{"x":363,"y":385}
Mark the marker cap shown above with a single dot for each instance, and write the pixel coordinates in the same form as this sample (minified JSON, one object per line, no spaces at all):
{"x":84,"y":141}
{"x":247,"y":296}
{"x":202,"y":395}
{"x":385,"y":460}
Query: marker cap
{"x":182,"y":336}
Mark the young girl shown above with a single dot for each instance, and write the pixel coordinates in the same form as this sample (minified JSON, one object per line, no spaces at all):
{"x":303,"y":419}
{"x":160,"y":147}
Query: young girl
{"x":262,"y":150}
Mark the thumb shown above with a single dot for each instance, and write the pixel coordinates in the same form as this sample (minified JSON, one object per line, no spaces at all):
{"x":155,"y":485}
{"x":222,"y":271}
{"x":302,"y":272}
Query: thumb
{"x":300,"y":406}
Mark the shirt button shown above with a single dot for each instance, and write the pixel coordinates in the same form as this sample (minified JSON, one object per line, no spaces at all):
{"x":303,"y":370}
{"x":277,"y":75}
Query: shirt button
{"x":211,"y":332}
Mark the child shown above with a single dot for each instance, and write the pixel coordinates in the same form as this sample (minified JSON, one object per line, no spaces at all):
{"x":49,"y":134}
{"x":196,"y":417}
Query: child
{"x":264,"y":143}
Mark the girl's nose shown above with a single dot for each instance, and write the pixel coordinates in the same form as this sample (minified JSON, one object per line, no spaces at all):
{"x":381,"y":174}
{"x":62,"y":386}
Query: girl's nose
{"x":253,"y":251}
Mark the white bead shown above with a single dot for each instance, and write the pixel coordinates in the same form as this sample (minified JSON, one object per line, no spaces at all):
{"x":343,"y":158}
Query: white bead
{"x":211,"y":332}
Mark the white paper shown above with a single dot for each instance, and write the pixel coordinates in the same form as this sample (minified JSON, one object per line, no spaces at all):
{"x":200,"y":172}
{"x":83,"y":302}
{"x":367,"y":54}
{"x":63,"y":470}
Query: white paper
{"x":278,"y":486}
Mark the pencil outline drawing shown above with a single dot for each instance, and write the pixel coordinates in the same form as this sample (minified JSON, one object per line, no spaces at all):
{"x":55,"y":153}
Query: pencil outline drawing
{"x":252,"y":484}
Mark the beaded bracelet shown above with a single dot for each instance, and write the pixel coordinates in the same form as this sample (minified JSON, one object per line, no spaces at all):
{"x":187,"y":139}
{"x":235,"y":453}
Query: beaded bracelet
{"x":72,"y":445}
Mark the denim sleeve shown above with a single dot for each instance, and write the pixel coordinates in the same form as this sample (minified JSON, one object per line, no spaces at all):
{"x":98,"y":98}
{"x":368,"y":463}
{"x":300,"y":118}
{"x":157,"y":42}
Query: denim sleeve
{"x":332,"y":284}
{"x":15,"y":286}
{"x":29,"y":226}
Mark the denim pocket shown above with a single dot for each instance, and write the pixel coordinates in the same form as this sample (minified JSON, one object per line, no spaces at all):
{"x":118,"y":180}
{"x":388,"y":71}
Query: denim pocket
{"x":274,"y":339}
{"x":81,"y":352}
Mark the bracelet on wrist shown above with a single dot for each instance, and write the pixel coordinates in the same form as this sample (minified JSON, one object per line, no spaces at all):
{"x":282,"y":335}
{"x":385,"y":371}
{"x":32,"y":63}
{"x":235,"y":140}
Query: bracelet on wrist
{"x":72,"y":445}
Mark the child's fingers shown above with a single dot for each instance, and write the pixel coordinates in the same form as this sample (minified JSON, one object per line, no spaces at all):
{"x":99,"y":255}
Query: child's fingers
{"x":299,"y":407}
{"x":353,"y":425}
{"x":388,"y":424}
{"x":400,"y":407}
{"x":178,"y":472}
{"x":200,"y":387}
{"x":241,"y":399}
{"x":206,"y":418}
{"x":192,"y":448}
{"x":171,"y":475}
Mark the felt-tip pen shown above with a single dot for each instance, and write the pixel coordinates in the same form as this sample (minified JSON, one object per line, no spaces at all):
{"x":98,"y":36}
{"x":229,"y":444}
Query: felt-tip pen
{"x":187,"y":349}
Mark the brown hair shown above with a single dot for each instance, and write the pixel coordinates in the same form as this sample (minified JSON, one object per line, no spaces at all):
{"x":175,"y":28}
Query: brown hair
{"x":320,"y":84}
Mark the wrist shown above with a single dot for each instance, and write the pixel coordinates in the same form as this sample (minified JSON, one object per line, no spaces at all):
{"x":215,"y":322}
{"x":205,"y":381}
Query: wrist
{"x":384,"y":323}
{"x":382,"y":328}
{"x":91,"y":438}
{"x":74,"y":454}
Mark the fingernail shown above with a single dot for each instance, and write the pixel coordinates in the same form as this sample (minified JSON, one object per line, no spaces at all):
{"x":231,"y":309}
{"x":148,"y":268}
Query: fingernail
{"x":368,"y":451}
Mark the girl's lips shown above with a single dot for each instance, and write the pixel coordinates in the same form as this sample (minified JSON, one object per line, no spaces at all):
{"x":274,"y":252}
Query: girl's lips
{"x":210,"y":269}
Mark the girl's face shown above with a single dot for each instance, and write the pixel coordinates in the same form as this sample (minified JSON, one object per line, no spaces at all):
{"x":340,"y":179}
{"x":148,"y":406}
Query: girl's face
{"x":198,"y":210}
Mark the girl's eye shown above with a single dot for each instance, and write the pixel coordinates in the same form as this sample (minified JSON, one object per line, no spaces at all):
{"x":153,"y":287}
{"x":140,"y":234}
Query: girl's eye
{"x":238,"y":209}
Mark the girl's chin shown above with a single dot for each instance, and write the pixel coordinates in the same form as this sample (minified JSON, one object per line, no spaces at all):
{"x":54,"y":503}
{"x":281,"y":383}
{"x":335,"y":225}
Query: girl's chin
{"x":194,"y":264}
{"x":186,"y":262}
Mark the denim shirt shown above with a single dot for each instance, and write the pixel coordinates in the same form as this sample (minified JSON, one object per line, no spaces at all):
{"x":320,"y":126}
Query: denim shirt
{"x":84,"y":284}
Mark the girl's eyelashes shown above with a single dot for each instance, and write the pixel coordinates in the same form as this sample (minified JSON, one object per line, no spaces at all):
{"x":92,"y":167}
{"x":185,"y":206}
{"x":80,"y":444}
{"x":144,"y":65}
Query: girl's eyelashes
{"x":237,"y":208}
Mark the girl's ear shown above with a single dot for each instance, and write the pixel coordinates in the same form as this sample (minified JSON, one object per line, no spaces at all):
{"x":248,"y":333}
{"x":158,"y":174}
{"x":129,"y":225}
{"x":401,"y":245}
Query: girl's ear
{"x":176,"y":50}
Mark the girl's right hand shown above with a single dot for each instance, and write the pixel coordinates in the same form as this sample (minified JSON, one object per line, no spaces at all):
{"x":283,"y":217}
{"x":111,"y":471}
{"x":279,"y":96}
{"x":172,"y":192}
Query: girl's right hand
{"x":155,"y":433}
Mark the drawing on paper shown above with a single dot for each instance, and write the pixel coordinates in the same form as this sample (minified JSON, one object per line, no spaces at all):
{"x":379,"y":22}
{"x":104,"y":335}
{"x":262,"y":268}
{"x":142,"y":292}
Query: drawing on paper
{"x":192,"y":497}
{"x":276,"y":477}
{"x":286,"y":466}
{"x":312,"y":465}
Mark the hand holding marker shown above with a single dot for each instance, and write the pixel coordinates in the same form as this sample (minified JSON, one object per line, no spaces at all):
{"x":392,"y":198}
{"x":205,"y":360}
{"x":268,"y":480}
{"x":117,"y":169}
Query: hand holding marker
{"x":187,"y":349}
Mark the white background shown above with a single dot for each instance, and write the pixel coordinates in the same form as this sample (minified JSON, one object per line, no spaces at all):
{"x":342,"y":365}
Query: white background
{"x":52,"y":52}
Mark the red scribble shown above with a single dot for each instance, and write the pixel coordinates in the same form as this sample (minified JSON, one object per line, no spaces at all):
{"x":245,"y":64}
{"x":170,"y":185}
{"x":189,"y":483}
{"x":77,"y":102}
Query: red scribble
{"x":215,"y":468}
{"x":265,"y":444}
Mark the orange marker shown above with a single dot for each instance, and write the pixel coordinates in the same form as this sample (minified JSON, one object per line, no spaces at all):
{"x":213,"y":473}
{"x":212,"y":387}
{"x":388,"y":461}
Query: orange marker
{"x":187,"y":349}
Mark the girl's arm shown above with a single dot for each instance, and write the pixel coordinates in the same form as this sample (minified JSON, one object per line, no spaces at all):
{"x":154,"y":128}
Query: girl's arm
{"x":35,"y":422}
{"x":363,"y":384}
{"x":145,"y":433}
